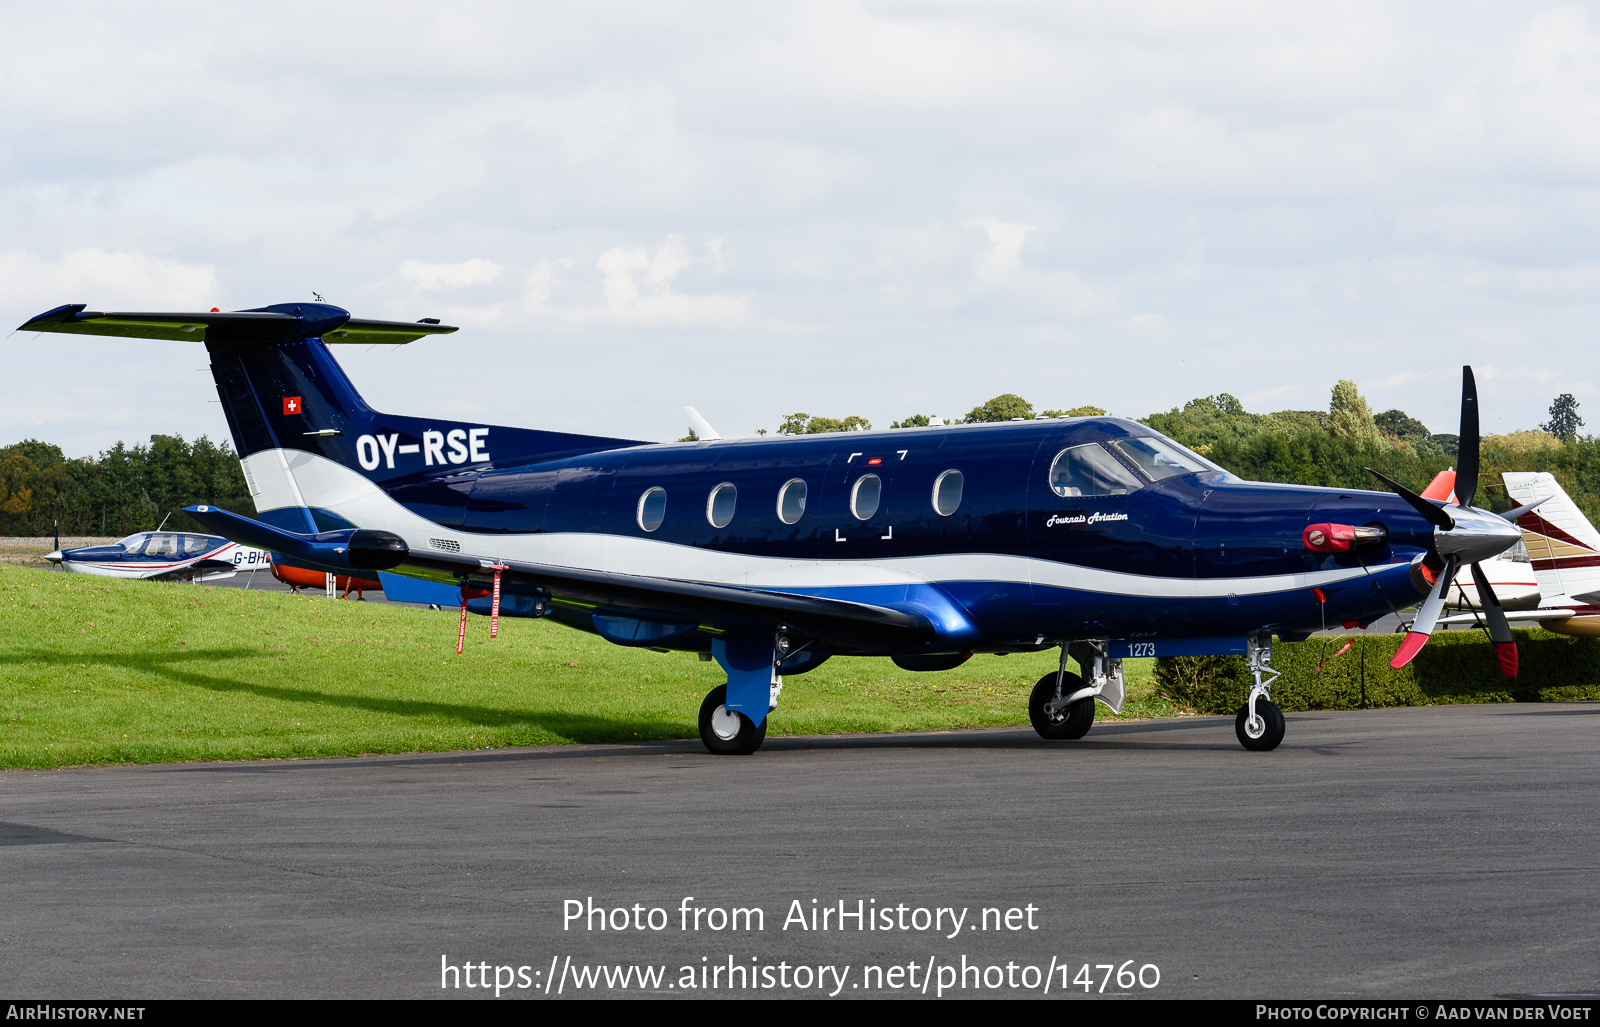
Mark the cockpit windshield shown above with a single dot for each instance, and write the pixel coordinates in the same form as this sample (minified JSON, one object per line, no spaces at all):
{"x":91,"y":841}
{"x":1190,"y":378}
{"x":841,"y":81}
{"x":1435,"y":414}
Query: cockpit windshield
{"x":1157,"y":458}
{"x":135,"y":542}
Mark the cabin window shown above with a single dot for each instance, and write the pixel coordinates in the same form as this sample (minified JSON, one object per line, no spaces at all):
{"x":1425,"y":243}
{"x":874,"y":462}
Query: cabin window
{"x":947,"y":493}
{"x":864,"y":496}
{"x":791,"y":501}
{"x":652,"y":508}
{"x":193,"y":544}
{"x":719,"y":507}
{"x":1157,"y":458}
{"x":1090,"y":471}
{"x":162,"y":545}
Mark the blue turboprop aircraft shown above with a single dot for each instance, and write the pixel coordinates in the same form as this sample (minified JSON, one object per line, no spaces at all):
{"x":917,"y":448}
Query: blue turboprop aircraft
{"x":1094,"y":535}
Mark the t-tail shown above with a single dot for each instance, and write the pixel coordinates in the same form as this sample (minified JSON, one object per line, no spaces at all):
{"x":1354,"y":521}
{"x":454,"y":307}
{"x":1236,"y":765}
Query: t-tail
{"x":301,"y":428}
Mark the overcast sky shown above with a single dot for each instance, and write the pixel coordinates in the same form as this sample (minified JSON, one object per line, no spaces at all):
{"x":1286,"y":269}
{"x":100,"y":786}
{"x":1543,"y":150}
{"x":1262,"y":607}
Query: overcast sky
{"x":756,"y":209}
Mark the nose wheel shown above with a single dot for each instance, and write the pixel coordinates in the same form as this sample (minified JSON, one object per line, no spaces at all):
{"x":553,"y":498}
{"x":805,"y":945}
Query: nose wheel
{"x":725,"y":732}
{"x":1262,"y":732}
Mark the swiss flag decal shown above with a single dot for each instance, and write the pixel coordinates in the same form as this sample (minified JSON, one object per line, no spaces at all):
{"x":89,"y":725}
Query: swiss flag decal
{"x":291,"y":405}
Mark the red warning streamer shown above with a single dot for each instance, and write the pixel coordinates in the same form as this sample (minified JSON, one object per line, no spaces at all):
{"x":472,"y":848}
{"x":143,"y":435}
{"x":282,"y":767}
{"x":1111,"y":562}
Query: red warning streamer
{"x":494,"y":605}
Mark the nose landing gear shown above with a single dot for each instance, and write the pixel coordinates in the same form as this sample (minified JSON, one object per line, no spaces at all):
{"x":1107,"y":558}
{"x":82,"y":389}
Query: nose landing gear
{"x":1259,"y":723}
{"x":1262,"y":731}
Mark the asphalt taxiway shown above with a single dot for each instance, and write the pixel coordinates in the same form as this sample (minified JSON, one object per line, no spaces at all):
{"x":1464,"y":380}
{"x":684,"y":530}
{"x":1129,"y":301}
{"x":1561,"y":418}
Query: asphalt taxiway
{"x":1430,"y":852}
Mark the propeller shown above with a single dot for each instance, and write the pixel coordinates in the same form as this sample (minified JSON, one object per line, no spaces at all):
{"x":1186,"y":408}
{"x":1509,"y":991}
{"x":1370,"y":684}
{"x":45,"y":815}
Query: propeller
{"x":1463,"y":534}
{"x":1467,"y":449}
{"x":1499,"y":631}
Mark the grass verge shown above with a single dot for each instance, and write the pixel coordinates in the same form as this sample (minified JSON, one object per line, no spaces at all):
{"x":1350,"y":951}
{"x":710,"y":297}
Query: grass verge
{"x":94,"y":670}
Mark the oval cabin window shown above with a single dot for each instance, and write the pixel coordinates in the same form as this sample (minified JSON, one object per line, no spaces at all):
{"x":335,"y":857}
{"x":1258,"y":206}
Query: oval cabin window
{"x":947,"y":493}
{"x":864,"y":496}
{"x":792,"y":501}
{"x":719,"y":507}
{"x":652,"y":508}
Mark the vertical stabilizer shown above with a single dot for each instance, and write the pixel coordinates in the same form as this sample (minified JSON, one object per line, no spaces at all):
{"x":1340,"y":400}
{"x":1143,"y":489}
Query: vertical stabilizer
{"x":1563,"y":545}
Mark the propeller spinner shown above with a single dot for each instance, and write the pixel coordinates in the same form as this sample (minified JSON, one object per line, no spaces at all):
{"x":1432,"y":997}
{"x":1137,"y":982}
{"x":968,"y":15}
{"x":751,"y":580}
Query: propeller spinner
{"x":1462,"y":534}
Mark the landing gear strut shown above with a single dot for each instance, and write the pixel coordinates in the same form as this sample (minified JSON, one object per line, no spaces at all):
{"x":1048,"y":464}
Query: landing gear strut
{"x":1259,"y":723}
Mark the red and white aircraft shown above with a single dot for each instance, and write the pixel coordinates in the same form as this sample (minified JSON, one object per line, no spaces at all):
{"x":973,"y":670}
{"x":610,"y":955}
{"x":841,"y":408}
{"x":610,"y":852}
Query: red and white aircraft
{"x":1563,"y":553}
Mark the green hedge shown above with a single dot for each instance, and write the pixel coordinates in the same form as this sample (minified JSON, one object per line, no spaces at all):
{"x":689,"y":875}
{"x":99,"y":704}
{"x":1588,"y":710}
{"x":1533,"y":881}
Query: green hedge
{"x":1454,"y":667}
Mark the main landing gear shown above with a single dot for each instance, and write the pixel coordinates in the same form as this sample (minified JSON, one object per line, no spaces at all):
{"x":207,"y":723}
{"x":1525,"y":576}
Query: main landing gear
{"x":752,"y":666}
{"x":1259,"y":723}
{"x":1062,"y":705}
{"x":727,"y":733}
{"x":1054,"y":719}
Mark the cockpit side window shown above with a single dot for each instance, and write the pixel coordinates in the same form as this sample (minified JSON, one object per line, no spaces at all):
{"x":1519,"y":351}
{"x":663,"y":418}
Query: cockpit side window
{"x":193,"y":544}
{"x":1157,"y":459}
{"x":162,"y":545}
{"x":1090,"y":471}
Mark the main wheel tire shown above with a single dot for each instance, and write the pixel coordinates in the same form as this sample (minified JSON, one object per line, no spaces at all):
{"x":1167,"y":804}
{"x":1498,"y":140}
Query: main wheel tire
{"x":1073,"y":722}
{"x":1272,"y":725}
{"x":725,"y":732}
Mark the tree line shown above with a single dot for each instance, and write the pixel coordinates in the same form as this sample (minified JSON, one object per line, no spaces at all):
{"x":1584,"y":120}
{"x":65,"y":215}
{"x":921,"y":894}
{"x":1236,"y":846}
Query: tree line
{"x":123,"y":490}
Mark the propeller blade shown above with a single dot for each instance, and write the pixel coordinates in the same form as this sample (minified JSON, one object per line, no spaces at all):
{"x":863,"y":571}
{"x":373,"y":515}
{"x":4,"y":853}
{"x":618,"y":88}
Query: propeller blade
{"x":1512,"y":515}
{"x":1467,"y":453}
{"x":1430,"y":513}
{"x":1505,"y":647}
{"x":1427,"y":617}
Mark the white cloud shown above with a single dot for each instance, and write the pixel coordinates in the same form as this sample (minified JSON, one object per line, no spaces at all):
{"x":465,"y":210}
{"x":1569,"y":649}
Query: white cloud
{"x":105,"y":281}
{"x":897,"y":184}
{"x":436,"y":277}
{"x":636,"y":290}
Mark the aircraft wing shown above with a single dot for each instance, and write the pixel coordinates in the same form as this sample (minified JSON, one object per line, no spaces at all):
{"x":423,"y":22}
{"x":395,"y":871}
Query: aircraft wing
{"x":729,"y":607}
{"x":840,"y":623}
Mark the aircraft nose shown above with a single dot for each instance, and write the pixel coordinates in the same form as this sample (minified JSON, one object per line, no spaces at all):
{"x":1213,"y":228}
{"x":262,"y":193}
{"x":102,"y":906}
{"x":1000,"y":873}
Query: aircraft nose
{"x":53,"y":557}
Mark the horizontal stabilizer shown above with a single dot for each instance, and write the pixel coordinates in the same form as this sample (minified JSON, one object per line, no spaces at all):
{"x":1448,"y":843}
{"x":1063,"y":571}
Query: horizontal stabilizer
{"x":239,"y":327}
{"x":360,"y":549}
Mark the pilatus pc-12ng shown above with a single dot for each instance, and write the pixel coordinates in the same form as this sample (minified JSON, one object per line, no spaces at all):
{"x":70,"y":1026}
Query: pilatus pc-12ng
{"x":1094,"y":535}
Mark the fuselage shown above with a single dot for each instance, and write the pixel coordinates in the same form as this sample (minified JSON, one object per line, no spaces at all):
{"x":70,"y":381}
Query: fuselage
{"x":1004,"y":561}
